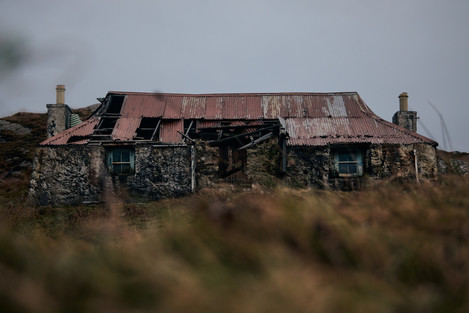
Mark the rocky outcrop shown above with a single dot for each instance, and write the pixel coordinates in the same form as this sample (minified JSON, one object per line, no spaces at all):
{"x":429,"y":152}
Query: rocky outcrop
{"x":13,"y":127}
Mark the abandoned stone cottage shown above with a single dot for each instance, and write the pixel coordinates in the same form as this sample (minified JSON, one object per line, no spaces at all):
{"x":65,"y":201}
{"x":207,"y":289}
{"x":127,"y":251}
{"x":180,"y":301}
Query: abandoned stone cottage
{"x":159,"y":145}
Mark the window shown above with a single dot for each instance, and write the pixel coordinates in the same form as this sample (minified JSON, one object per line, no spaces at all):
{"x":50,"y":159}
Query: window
{"x":348,"y":163}
{"x":121,"y":161}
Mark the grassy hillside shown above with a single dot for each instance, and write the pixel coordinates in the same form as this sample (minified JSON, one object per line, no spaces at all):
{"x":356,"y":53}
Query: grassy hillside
{"x":392,"y":249}
{"x":17,"y":150}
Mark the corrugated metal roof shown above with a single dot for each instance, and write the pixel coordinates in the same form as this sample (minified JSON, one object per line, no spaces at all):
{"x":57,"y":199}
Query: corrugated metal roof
{"x":169,"y":131}
{"x":126,"y":128}
{"x":81,"y":130}
{"x":324,"y":131}
{"x":173,"y":108}
{"x":241,"y":106}
{"x":148,"y":105}
{"x":193,"y":107}
{"x":312,"y":118}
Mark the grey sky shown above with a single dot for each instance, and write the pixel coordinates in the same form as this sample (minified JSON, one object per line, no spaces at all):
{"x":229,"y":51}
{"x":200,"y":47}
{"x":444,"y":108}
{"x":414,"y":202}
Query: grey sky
{"x":378,"y":48}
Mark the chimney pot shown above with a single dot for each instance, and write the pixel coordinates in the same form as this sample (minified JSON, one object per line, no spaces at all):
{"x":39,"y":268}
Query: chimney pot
{"x":403,"y":102}
{"x":60,"y":94}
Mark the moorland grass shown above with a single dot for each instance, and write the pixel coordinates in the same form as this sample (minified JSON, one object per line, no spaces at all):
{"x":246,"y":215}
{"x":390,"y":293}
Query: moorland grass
{"x":393,"y":248}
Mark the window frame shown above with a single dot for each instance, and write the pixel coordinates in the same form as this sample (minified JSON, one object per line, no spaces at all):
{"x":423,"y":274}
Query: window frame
{"x":353,"y":157}
{"x":114,"y":164}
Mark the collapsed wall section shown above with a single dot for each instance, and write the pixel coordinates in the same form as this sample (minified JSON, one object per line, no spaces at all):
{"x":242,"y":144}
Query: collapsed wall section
{"x":261,"y":165}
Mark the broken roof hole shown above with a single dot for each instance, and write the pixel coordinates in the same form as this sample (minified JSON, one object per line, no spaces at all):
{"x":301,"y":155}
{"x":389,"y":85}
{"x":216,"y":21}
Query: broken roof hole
{"x":115,"y":104}
{"x":106,"y":125}
{"x":148,"y":129}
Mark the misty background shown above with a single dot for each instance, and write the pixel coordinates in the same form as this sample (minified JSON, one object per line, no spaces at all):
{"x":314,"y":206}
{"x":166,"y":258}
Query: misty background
{"x":378,"y":48}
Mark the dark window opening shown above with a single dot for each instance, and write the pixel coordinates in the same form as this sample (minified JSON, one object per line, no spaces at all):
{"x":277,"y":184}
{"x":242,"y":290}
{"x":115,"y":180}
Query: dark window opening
{"x":233,"y":163}
{"x":106,"y":125}
{"x":189,"y":126}
{"x":190,"y":129}
{"x":121,"y":161}
{"x":115,"y":104}
{"x":348,"y":163}
{"x":74,"y":139}
{"x":149,"y":129}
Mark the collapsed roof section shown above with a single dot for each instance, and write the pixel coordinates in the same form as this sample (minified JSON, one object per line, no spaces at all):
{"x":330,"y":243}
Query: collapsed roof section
{"x":313,"y":119}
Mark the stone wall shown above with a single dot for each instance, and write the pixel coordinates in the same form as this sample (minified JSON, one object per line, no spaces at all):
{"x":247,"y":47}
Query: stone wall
{"x":67,"y":175}
{"x":308,"y":166}
{"x":406,"y":119}
{"x":161,"y":172}
{"x":399,"y":161}
{"x":207,"y":165}
{"x":263,"y":163}
{"x":312,"y":166}
{"x":58,"y":119}
{"x":72,"y":175}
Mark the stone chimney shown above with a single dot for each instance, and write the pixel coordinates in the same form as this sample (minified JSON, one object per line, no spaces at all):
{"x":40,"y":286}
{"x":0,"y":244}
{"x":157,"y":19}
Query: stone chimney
{"x":404,"y":117}
{"x":58,"y":114}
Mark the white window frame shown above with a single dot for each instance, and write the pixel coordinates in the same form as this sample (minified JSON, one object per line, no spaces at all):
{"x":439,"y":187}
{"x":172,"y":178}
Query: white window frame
{"x":114,"y":164}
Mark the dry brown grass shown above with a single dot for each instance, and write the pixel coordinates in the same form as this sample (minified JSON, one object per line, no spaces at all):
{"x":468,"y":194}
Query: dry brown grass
{"x":392,"y":249}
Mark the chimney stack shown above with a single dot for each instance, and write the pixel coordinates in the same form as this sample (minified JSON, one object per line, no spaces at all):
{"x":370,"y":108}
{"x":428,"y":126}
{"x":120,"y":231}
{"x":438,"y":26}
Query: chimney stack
{"x":60,"y":94}
{"x":404,"y":117}
{"x":58,"y":114}
{"x":403,"y":102}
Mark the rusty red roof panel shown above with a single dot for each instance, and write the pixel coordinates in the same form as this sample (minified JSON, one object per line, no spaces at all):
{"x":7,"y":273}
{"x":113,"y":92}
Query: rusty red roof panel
{"x":147,"y":105}
{"x":193,"y":107}
{"x":173,"y":107}
{"x":169,"y":131}
{"x":81,"y":130}
{"x":214,"y":108}
{"x":207,"y":123}
{"x":242,"y":106}
{"x":125,"y":128}
{"x":273,"y":106}
{"x":325,"y":131}
{"x":295,"y":106}
{"x":234,"y":107}
{"x":254,"y":109}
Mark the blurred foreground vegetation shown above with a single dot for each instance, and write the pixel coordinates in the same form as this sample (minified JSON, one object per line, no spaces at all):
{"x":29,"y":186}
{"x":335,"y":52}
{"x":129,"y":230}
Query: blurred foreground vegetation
{"x":391,"y":249}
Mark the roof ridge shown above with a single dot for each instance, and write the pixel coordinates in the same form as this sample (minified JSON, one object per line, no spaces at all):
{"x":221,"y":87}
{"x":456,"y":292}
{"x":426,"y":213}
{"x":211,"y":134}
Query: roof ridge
{"x":289,"y":93}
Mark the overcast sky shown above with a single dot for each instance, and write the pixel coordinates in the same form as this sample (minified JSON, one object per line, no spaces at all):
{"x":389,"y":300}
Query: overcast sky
{"x":378,"y":48}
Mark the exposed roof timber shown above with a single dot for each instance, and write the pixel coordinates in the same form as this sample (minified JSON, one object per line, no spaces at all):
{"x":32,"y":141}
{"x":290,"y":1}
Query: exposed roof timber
{"x":186,"y":136}
{"x":258,"y":140}
{"x":238,"y":136}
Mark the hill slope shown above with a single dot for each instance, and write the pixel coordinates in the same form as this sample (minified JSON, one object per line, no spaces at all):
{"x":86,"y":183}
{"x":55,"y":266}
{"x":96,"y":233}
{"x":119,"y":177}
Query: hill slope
{"x":20,"y":134}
